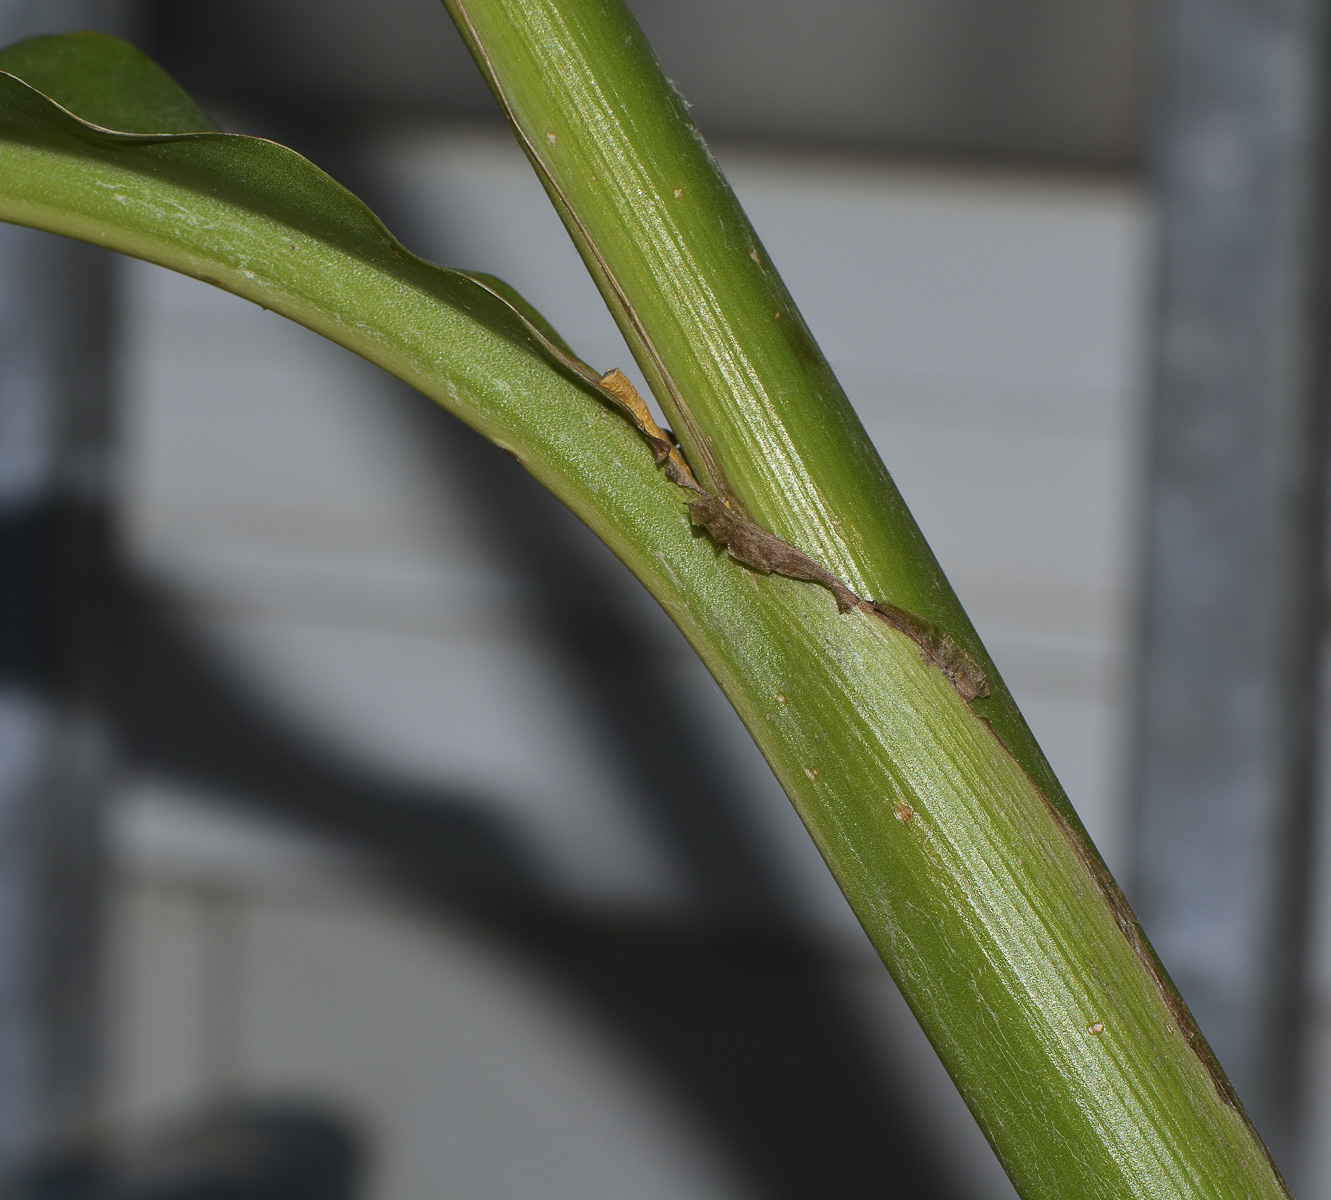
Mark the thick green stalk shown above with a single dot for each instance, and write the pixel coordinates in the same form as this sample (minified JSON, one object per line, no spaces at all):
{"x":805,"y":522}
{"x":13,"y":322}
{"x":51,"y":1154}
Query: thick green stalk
{"x":940,"y":818}
{"x":757,"y":409}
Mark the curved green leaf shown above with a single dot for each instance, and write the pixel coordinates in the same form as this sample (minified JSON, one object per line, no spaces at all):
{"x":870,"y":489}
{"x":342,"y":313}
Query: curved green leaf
{"x":106,"y":82}
{"x":145,"y":170}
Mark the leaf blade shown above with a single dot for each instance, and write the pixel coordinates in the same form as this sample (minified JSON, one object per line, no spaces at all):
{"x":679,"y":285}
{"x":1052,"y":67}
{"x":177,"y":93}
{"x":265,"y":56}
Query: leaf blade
{"x":106,"y":82}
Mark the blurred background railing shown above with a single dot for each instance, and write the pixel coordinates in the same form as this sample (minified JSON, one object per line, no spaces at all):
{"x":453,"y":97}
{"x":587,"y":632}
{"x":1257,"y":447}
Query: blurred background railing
{"x":329,"y":867}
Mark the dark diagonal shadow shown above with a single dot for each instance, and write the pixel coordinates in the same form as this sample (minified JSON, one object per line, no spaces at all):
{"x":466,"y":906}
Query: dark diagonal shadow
{"x":182,"y":713}
{"x":740,"y":1022}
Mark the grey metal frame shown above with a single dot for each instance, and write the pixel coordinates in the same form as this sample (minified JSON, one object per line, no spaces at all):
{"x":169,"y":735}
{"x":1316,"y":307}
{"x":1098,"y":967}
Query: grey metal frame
{"x":1232,"y":597}
{"x":54,"y":357}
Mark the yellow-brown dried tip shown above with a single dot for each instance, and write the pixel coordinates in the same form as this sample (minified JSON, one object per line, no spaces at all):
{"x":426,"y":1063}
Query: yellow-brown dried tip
{"x":625,"y":396}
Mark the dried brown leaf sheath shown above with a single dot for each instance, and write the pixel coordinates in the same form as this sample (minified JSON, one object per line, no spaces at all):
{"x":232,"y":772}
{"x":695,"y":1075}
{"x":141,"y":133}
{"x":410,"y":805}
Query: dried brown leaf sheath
{"x":939,"y":649}
{"x":751,"y":545}
{"x":759,"y":550}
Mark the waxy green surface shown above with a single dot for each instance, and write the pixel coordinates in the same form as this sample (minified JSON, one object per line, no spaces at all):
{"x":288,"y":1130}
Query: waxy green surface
{"x":743,"y":384}
{"x":967,"y":882}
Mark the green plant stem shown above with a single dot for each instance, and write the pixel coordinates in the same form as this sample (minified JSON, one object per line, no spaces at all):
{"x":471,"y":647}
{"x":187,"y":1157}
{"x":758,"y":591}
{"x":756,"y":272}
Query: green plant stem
{"x":759,"y":413}
{"x":941,"y":820}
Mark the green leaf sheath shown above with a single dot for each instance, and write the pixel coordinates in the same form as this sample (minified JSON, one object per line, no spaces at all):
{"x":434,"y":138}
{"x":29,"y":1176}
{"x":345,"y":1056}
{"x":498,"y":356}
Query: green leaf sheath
{"x":981,"y":896}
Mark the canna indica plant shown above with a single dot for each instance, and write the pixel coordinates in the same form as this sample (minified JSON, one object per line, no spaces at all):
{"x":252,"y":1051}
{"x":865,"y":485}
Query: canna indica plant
{"x":765,"y":525}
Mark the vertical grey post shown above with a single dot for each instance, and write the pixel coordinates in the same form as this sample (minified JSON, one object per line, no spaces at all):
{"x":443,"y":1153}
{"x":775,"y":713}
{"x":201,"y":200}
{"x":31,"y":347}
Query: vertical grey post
{"x":53,"y":335}
{"x":1234,"y":559}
